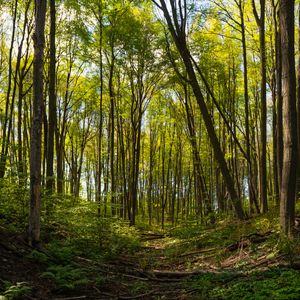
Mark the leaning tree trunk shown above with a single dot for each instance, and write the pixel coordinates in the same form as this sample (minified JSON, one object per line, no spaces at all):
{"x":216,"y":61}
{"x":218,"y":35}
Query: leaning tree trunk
{"x":176,"y":25}
{"x":288,"y":185}
{"x":36,"y":127}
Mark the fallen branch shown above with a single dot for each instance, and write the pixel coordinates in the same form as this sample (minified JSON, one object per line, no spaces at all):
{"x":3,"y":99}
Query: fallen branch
{"x":111,"y":296}
{"x":71,"y":298}
{"x":165,"y":279}
{"x":245,"y":241}
{"x":141,"y":296}
{"x":197,"y":252}
{"x":177,"y":274}
{"x":151,"y":238}
{"x":153,"y":234}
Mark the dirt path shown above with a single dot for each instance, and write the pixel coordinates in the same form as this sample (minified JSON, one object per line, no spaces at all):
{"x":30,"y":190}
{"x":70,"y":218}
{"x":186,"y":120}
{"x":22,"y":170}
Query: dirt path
{"x":163,"y":268}
{"x":148,"y":274}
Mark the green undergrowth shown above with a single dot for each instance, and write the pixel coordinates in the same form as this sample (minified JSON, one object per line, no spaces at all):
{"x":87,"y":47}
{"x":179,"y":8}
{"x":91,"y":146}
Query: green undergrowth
{"x":14,"y":204}
{"x":61,"y":268}
{"x":275,"y":283}
{"x":15,"y":291}
{"x":75,"y":233}
{"x":227,"y":240}
{"x":95,"y":236}
{"x":224,"y":233}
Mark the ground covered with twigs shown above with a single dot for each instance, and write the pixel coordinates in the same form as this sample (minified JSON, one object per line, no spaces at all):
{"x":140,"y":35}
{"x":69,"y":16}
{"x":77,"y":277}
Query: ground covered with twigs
{"x":234,"y":260}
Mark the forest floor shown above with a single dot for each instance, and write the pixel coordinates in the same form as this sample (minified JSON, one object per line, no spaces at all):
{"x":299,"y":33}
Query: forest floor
{"x":224,"y":262}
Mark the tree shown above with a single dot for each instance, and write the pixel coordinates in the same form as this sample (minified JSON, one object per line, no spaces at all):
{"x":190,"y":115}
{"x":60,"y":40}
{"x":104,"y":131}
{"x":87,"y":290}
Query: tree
{"x":277,"y":110}
{"x":252,"y":196}
{"x":177,"y":22}
{"x":260,"y":20}
{"x":52,"y":100}
{"x":9,"y":103}
{"x":289,"y":171}
{"x":36,"y":127}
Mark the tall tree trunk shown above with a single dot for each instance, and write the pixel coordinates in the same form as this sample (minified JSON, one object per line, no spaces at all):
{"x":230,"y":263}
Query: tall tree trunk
{"x":100,"y":133}
{"x":60,"y":134}
{"x":279,"y":123}
{"x":153,"y":144}
{"x":52,"y":101}
{"x":201,"y":191}
{"x":251,"y":189}
{"x":288,"y":186}
{"x":163,"y":183}
{"x":260,"y":20}
{"x":112,"y":134}
{"x":21,"y":76}
{"x":277,"y":111}
{"x":298,"y":105}
{"x":8,"y":107}
{"x":36,"y":127}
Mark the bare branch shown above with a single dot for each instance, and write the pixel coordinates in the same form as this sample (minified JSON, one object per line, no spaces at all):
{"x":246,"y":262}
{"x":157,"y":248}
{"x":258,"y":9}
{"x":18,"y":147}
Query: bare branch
{"x":257,"y":18}
{"x":156,"y":3}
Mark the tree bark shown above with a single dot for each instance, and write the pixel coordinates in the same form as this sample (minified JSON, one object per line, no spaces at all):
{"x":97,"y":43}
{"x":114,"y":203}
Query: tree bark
{"x":251,"y":189}
{"x":279,"y":122}
{"x":298,"y":106}
{"x":260,"y":20}
{"x":52,"y":101}
{"x":8,"y":104}
{"x":288,"y":186}
{"x":277,"y":109}
{"x":36,"y":127}
{"x":100,"y":133}
{"x":111,"y":145}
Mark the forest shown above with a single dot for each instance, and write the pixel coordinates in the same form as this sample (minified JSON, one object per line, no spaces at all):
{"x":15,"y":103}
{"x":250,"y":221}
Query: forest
{"x":149,"y":149}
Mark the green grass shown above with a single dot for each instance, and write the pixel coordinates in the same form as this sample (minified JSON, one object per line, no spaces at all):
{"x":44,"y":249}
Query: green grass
{"x":276,"y":283}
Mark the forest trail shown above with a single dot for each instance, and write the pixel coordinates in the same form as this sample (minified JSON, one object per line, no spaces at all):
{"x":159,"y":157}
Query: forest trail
{"x":146,"y":274}
{"x":163,"y":267}
{"x":169,"y":268}
{"x":150,"y":273}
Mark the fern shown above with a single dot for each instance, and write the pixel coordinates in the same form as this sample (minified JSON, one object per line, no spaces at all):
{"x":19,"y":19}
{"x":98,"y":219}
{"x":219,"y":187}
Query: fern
{"x":16,"y":291}
{"x":66,"y":277}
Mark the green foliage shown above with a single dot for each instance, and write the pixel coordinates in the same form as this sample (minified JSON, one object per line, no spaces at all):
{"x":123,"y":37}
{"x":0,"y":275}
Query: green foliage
{"x":39,"y":257}
{"x":15,"y":291}
{"x":57,"y":252}
{"x":61,"y":269}
{"x":61,"y":252}
{"x":275,"y":283}
{"x":67,"y":276}
{"x":14,"y":203}
{"x":290,"y":247}
{"x":272,"y":284}
{"x":139,"y":287}
{"x":123,"y":239}
{"x":100,"y":280}
{"x":89,"y":234}
{"x":203,"y":285}
{"x":187,"y":231}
